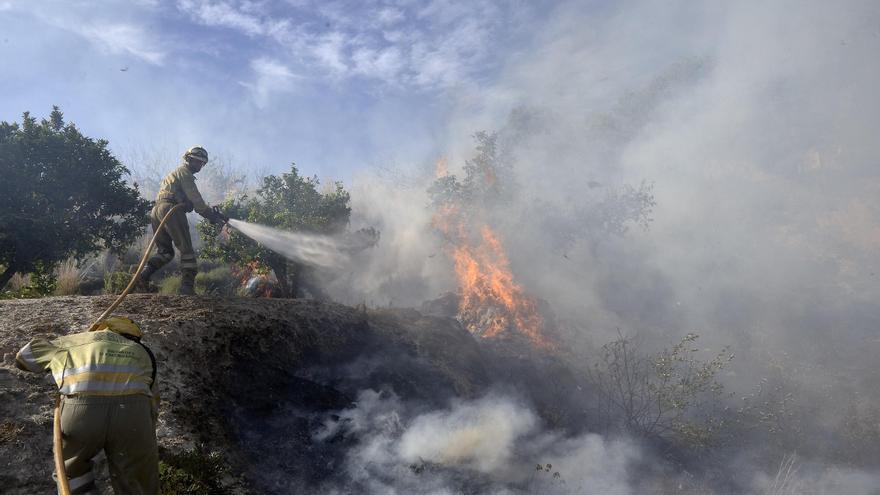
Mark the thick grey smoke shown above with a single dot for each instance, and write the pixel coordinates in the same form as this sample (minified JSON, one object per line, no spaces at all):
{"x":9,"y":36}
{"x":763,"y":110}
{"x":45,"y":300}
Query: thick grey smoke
{"x":755,"y":125}
{"x":488,"y":445}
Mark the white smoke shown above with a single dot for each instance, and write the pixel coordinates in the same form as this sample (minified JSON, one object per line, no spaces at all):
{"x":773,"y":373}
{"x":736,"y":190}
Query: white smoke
{"x":490,"y":445}
{"x":756,"y":122}
{"x":480,"y":435}
{"x":793,"y":477}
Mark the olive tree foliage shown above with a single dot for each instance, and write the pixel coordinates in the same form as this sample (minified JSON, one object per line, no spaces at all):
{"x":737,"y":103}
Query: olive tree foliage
{"x":287,"y":202}
{"x":62,"y":195}
{"x":671,"y":394}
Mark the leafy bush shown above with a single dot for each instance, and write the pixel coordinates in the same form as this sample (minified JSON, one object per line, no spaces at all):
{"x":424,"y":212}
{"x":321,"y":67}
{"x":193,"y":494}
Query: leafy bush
{"x":39,"y":283}
{"x":170,"y":285}
{"x":289,"y":202}
{"x":116,"y":282}
{"x":218,"y":281}
{"x":671,"y":394}
{"x":192,"y":472}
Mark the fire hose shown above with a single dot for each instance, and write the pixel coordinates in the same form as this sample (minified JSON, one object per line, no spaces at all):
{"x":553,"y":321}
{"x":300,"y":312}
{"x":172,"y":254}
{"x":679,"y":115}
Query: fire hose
{"x":63,"y":483}
{"x":137,"y":272}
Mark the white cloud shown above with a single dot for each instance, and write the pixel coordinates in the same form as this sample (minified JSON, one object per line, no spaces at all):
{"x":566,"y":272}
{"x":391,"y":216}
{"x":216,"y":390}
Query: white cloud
{"x":123,"y":39}
{"x":390,"y":15}
{"x":447,"y":44}
{"x":329,"y":52}
{"x":382,"y":64}
{"x":223,"y":14}
{"x":106,"y":32}
{"x":435,"y":67}
{"x":271,"y":77}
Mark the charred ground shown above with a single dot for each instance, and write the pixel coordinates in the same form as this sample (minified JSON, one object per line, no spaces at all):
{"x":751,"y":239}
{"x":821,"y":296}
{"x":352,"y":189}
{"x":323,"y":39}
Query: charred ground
{"x":254,"y":379}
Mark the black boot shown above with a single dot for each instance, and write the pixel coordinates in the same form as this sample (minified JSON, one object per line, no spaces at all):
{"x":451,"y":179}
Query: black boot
{"x":188,"y":281}
{"x":143,"y":283}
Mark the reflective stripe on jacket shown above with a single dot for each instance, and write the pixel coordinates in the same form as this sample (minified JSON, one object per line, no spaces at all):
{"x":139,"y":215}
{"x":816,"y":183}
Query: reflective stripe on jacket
{"x":179,"y":186}
{"x":92,"y":363}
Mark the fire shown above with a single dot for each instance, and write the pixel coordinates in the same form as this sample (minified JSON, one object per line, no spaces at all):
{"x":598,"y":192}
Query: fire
{"x":245,"y":273}
{"x":492,"y":303}
{"x":442,"y":168}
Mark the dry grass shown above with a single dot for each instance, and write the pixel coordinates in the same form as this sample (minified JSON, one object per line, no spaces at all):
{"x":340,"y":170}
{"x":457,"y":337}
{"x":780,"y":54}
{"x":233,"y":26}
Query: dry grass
{"x":18,"y":282}
{"x":68,"y":277}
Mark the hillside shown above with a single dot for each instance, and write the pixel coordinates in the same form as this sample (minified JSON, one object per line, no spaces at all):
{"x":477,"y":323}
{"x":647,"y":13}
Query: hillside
{"x":258,"y":380}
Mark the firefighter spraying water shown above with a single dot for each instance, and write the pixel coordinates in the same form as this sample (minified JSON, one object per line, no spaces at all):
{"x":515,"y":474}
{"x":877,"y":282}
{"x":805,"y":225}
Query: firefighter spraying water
{"x":179,"y":188}
{"x":178,"y":195}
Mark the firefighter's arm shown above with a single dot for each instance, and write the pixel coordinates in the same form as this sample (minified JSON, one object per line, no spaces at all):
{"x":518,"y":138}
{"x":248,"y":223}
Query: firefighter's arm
{"x":154,"y":411}
{"x":36,"y":356}
{"x":154,"y":383}
{"x":188,"y":184}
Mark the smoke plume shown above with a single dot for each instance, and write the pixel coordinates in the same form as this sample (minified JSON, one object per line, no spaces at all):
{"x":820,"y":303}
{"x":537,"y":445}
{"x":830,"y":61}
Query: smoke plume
{"x":491,"y":445}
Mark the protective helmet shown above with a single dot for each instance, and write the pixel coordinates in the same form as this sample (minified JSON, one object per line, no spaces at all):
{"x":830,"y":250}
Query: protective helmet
{"x":120,"y":325}
{"x":198,"y":153}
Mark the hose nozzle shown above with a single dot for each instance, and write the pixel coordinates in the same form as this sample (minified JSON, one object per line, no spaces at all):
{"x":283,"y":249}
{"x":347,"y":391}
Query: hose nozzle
{"x":221,"y":219}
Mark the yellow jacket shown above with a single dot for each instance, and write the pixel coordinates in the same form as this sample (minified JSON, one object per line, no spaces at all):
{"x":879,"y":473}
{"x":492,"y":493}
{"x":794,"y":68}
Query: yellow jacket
{"x":93,"y":363}
{"x":179,"y":186}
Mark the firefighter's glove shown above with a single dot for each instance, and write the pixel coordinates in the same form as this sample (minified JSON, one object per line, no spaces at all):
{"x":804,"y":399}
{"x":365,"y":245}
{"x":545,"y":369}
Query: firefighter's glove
{"x":217,"y":218}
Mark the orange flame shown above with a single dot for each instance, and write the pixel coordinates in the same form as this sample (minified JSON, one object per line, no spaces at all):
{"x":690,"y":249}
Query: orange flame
{"x":244,"y":273}
{"x":442,"y":168}
{"x":492,"y":303}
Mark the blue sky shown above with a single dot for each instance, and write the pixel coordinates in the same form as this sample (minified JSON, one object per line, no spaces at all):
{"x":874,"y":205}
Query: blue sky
{"x":334,"y":86}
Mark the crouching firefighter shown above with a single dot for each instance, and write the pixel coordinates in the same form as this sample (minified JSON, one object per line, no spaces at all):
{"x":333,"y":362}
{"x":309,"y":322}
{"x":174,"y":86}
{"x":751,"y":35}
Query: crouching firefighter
{"x":109,"y":402}
{"x":179,"y":187}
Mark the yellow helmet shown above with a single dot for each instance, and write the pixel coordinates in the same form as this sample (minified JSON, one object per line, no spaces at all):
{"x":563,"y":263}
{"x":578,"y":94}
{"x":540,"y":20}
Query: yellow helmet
{"x":198,"y":153}
{"x":120,"y":325}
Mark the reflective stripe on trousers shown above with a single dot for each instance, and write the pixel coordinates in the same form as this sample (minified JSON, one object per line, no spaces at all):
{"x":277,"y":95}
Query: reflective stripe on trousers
{"x":82,"y":484}
{"x":97,"y":387}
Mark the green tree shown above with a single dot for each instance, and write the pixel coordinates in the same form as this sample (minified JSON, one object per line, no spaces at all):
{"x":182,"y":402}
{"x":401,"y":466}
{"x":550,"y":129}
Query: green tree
{"x":289,"y":202}
{"x":62,"y":195}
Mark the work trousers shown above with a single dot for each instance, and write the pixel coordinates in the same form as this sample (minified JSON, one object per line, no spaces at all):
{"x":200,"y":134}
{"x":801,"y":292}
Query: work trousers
{"x":176,"y":231}
{"x":121,"y":426}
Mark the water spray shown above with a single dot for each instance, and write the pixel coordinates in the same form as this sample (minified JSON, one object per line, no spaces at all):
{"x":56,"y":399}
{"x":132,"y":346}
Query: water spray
{"x":311,"y":249}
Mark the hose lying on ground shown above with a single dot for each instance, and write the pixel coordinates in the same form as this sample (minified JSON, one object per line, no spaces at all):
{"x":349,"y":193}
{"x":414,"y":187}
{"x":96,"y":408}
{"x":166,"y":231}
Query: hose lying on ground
{"x":60,"y":471}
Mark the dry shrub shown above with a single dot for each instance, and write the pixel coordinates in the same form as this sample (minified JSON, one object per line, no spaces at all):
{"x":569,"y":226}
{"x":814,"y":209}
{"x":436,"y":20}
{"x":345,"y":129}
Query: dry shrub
{"x":18,"y":282}
{"x":68,"y":278}
{"x":671,"y":394}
